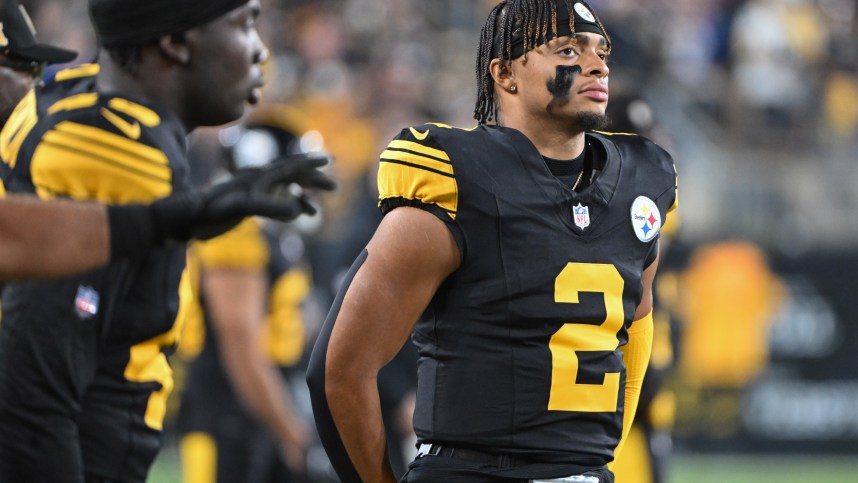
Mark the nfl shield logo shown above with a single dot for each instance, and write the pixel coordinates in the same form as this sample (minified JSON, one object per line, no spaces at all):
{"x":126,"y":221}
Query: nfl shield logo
{"x":582,"y":216}
{"x":86,"y":302}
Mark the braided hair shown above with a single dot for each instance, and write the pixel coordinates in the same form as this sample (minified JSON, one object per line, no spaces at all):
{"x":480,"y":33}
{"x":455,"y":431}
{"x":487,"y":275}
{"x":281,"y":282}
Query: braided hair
{"x":532,"y":21}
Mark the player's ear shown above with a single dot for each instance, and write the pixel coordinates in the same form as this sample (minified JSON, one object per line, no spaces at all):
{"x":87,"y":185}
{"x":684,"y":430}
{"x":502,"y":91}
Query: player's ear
{"x":503,"y":74}
{"x":175,"y":47}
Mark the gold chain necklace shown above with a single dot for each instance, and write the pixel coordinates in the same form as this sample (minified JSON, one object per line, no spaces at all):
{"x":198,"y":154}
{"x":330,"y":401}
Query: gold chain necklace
{"x":580,"y":175}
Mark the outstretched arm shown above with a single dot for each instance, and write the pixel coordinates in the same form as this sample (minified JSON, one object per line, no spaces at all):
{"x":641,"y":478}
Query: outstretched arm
{"x":40,"y":239}
{"x":392,"y":282}
{"x":51,"y":239}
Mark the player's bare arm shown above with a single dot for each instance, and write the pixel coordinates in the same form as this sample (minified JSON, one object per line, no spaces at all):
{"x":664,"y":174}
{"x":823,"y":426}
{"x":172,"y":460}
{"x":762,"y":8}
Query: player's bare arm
{"x":39,"y":239}
{"x":234,"y":298}
{"x":408,"y":258}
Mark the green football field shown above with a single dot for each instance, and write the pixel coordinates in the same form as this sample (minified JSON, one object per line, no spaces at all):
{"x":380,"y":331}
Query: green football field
{"x":684,"y":469}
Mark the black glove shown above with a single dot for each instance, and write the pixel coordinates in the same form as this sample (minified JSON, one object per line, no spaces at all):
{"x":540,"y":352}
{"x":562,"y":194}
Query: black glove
{"x":262,"y":191}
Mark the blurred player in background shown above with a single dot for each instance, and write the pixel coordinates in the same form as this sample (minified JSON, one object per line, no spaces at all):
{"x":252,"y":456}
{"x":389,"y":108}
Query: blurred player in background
{"x":519,"y":257}
{"x":244,"y":331}
{"x":83,"y":368}
{"x":647,"y":447}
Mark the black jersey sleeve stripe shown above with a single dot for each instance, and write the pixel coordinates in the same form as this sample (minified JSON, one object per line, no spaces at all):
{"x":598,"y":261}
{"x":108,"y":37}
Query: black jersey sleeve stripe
{"x":327,"y":429}
{"x":438,"y":164}
{"x":418,"y":154}
{"x":417,"y":166}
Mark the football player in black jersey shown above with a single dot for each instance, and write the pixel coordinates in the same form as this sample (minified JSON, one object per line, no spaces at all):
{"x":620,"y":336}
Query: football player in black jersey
{"x":83,"y":368}
{"x":61,"y":238}
{"x":519,"y":257}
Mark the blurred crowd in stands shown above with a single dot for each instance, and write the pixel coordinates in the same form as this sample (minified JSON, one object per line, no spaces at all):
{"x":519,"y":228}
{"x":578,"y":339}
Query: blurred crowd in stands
{"x":759,"y":97}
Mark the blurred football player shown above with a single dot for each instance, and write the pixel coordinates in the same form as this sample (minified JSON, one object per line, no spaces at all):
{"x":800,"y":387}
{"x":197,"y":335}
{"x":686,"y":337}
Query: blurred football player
{"x":83,"y":360}
{"x":244,"y":331}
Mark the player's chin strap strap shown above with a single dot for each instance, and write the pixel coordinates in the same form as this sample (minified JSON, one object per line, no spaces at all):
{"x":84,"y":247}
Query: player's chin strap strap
{"x":636,"y":357}
{"x":325,"y":425}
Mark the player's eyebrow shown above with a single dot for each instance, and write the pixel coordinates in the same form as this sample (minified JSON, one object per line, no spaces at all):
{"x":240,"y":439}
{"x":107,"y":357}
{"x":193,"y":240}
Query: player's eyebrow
{"x":587,"y":39}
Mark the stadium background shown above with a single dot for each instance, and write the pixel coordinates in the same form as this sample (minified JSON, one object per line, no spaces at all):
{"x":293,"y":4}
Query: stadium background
{"x":757,"y":100}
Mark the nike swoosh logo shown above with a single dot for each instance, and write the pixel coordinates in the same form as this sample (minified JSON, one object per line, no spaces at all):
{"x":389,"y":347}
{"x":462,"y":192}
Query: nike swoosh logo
{"x":419,"y":135}
{"x":130,"y":129}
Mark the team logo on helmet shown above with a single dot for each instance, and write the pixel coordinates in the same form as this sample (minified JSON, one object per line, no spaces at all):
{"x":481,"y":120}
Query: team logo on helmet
{"x":584,"y":12}
{"x":646,"y":219}
{"x":581,"y":216}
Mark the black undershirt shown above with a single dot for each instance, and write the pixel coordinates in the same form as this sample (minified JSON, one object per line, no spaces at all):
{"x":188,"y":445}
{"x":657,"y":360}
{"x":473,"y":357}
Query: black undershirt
{"x":568,"y":170}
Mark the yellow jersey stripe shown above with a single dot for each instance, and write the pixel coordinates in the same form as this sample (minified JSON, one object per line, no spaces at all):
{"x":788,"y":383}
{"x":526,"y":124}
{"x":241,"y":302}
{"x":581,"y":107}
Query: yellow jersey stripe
{"x":59,"y":171}
{"x":114,"y":141}
{"x":20,"y":123}
{"x":71,"y":103}
{"x":146,"y":116}
{"x":417,"y":161}
{"x":100,"y":152}
{"x":85,"y":70}
{"x":418,"y":148}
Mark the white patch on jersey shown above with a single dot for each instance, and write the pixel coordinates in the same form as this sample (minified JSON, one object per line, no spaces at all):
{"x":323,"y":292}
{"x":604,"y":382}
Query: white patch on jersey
{"x":646,"y":219}
{"x":86,"y":302}
{"x":581,"y":215}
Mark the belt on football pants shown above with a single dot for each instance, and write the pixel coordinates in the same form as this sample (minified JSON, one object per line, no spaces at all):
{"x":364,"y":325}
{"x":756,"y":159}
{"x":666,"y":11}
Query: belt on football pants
{"x":484,"y":457}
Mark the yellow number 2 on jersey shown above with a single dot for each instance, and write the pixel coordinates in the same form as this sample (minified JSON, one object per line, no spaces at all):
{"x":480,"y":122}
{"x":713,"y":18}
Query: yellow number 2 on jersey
{"x":566,"y":393}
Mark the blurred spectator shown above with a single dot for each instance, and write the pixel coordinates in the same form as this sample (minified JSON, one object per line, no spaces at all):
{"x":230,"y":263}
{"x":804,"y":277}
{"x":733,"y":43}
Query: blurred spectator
{"x":776,"y":43}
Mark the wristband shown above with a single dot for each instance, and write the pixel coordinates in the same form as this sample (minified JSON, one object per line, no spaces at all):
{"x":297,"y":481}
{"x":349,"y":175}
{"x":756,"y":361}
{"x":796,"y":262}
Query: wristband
{"x":131,"y":230}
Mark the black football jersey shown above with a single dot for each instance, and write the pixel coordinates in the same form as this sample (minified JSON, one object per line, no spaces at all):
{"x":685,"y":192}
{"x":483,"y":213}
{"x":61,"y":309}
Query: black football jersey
{"x":67,"y":140}
{"x":519,"y":348}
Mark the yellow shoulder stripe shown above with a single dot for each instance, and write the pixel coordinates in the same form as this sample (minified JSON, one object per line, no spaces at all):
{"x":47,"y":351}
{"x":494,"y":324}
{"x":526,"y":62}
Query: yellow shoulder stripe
{"x":146,"y":116}
{"x":85,"y":70}
{"x":84,"y":162}
{"x":71,"y":103}
{"x":64,"y":141}
{"x":114,"y":141}
{"x":20,"y":123}
{"x":60,"y":171}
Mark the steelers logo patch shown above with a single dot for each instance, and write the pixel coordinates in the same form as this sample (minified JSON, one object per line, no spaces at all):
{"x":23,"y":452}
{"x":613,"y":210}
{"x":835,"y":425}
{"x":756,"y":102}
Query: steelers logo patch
{"x":646,"y":219}
{"x":584,"y":12}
